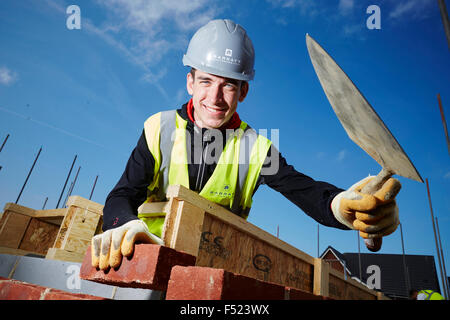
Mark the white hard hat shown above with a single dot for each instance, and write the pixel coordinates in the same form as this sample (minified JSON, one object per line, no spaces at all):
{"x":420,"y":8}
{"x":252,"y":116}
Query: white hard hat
{"x":222,"y":47}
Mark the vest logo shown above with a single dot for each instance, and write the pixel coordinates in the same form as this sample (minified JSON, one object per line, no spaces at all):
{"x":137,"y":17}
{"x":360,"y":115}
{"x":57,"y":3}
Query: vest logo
{"x":228,"y":52}
{"x":224,"y":192}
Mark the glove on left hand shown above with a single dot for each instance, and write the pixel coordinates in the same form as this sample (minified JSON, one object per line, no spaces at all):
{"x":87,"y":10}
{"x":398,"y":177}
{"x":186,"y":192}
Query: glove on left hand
{"x":375,"y":215}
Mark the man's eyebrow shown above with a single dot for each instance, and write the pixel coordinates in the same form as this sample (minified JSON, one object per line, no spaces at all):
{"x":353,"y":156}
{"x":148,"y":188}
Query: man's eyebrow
{"x":227,"y":80}
{"x":204,"y":78}
{"x":232,"y":81}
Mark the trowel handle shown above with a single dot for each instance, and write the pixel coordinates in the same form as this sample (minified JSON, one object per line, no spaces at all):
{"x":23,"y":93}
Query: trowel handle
{"x":373,"y":186}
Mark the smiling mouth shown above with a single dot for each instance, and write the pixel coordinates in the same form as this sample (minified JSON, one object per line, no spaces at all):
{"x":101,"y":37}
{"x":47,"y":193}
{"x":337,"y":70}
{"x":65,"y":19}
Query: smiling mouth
{"x":215,"y":110}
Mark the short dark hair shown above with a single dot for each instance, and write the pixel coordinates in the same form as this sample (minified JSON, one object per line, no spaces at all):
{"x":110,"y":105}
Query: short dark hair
{"x":193,"y":72}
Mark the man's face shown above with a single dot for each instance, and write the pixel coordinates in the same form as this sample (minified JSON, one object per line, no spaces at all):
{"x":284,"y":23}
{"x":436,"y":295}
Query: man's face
{"x":215,"y":98}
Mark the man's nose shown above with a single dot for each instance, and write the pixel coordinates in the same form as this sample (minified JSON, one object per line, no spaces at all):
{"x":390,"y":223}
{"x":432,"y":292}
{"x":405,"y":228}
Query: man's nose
{"x":216,"y":94}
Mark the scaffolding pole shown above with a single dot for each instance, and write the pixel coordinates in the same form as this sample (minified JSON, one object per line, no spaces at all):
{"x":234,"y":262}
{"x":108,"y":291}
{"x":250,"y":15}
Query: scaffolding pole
{"x":444,"y":122}
{"x":445,"y":280}
{"x":65,"y":184}
{"x":435,"y":237}
{"x":445,"y":21}
{"x":4,"y":141}
{"x":28,"y":176}
{"x":93,"y":187}
{"x":407,"y":284}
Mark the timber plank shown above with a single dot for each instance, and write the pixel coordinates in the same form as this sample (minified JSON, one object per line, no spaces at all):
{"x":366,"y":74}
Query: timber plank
{"x":182,"y":193}
{"x":224,"y":247}
{"x":59,"y":254}
{"x":19,"y":252}
{"x":39,"y":236}
{"x":77,"y":201}
{"x":188,"y":221}
{"x":13,"y":228}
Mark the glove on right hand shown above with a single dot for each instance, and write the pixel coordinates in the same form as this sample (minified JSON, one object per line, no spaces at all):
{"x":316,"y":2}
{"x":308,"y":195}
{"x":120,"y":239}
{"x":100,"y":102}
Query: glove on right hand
{"x":109,"y":247}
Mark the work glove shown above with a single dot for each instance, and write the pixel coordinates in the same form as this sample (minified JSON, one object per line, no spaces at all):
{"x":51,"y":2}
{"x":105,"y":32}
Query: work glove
{"x":109,"y":247}
{"x":375,"y":216}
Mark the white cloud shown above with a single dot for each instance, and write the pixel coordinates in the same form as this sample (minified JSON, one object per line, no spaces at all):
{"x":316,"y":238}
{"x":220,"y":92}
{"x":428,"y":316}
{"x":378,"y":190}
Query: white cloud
{"x":149,"y":30}
{"x":447,"y":175}
{"x":411,"y":8}
{"x":320,"y":155}
{"x":181,"y":95}
{"x":341,"y":155}
{"x":345,"y":6}
{"x":147,"y":16}
{"x":305,"y":6}
{"x":146,"y":31}
{"x":7,"y":77}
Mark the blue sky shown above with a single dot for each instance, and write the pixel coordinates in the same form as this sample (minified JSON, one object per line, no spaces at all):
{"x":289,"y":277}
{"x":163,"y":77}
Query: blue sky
{"x":87,"y":92}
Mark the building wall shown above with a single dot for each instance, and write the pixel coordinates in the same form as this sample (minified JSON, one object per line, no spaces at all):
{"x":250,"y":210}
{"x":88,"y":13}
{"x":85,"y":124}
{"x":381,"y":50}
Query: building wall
{"x":333,"y":261}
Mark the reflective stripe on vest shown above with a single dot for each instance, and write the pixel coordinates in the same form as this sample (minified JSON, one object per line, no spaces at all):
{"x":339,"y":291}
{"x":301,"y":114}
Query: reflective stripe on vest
{"x":431,"y":295}
{"x":237,"y":170}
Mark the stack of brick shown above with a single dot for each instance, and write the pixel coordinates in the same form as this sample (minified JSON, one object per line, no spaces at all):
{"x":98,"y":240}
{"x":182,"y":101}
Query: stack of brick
{"x":148,"y":268}
{"x":202,"y":283}
{"x":161,"y":268}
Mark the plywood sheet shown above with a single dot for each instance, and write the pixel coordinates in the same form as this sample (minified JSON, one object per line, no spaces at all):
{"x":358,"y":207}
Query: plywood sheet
{"x":340,"y":289}
{"x":39,"y":236}
{"x":223,"y":246}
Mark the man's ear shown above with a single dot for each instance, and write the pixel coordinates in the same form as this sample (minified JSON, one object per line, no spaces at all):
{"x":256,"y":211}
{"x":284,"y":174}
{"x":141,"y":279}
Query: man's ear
{"x":190,"y":83}
{"x":244,"y":91}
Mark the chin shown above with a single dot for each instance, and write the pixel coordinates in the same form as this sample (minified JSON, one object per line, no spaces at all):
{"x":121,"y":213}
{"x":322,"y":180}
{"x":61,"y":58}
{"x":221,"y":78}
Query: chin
{"x":214,"y":125}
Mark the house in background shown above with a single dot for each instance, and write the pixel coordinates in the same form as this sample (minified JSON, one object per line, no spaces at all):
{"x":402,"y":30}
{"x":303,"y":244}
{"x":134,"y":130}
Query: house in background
{"x":392,"y":274}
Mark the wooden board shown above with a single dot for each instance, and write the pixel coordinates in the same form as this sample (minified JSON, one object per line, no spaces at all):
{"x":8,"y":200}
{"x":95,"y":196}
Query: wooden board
{"x":187,"y":219}
{"x":39,"y":236}
{"x":229,"y":242}
{"x":13,"y":228}
{"x":222,"y":246}
{"x":19,"y":252}
{"x":77,"y":229}
{"x":28,"y":231}
{"x":341,"y":289}
{"x":59,"y":254}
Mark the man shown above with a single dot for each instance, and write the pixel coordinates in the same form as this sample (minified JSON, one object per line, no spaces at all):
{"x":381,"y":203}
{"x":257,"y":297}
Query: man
{"x":206,"y":147}
{"x":425,"y":295}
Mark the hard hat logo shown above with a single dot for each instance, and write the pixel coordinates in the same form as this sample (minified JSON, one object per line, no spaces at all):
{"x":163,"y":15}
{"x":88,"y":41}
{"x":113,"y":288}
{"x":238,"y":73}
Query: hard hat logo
{"x":222,"y":48}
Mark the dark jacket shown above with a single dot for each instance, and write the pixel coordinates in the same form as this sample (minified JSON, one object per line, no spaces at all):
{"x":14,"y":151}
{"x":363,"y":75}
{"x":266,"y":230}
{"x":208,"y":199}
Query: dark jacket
{"x":313,"y":197}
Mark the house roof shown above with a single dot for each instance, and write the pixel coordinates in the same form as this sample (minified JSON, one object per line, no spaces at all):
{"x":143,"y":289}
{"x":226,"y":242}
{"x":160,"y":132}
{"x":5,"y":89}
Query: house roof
{"x":339,"y":256}
{"x":420,"y":270}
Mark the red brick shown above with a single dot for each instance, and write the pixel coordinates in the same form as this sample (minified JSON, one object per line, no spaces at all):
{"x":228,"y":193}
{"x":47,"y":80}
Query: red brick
{"x":202,"y":283}
{"x":148,"y":268}
{"x":297,"y":294}
{"x":62,"y":295}
{"x":16,"y":290}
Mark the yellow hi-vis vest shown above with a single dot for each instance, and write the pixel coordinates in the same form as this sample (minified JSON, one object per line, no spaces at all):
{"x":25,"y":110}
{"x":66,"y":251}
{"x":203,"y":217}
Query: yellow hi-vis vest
{"x":233,"y":181}
{"x":429,"y":295}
